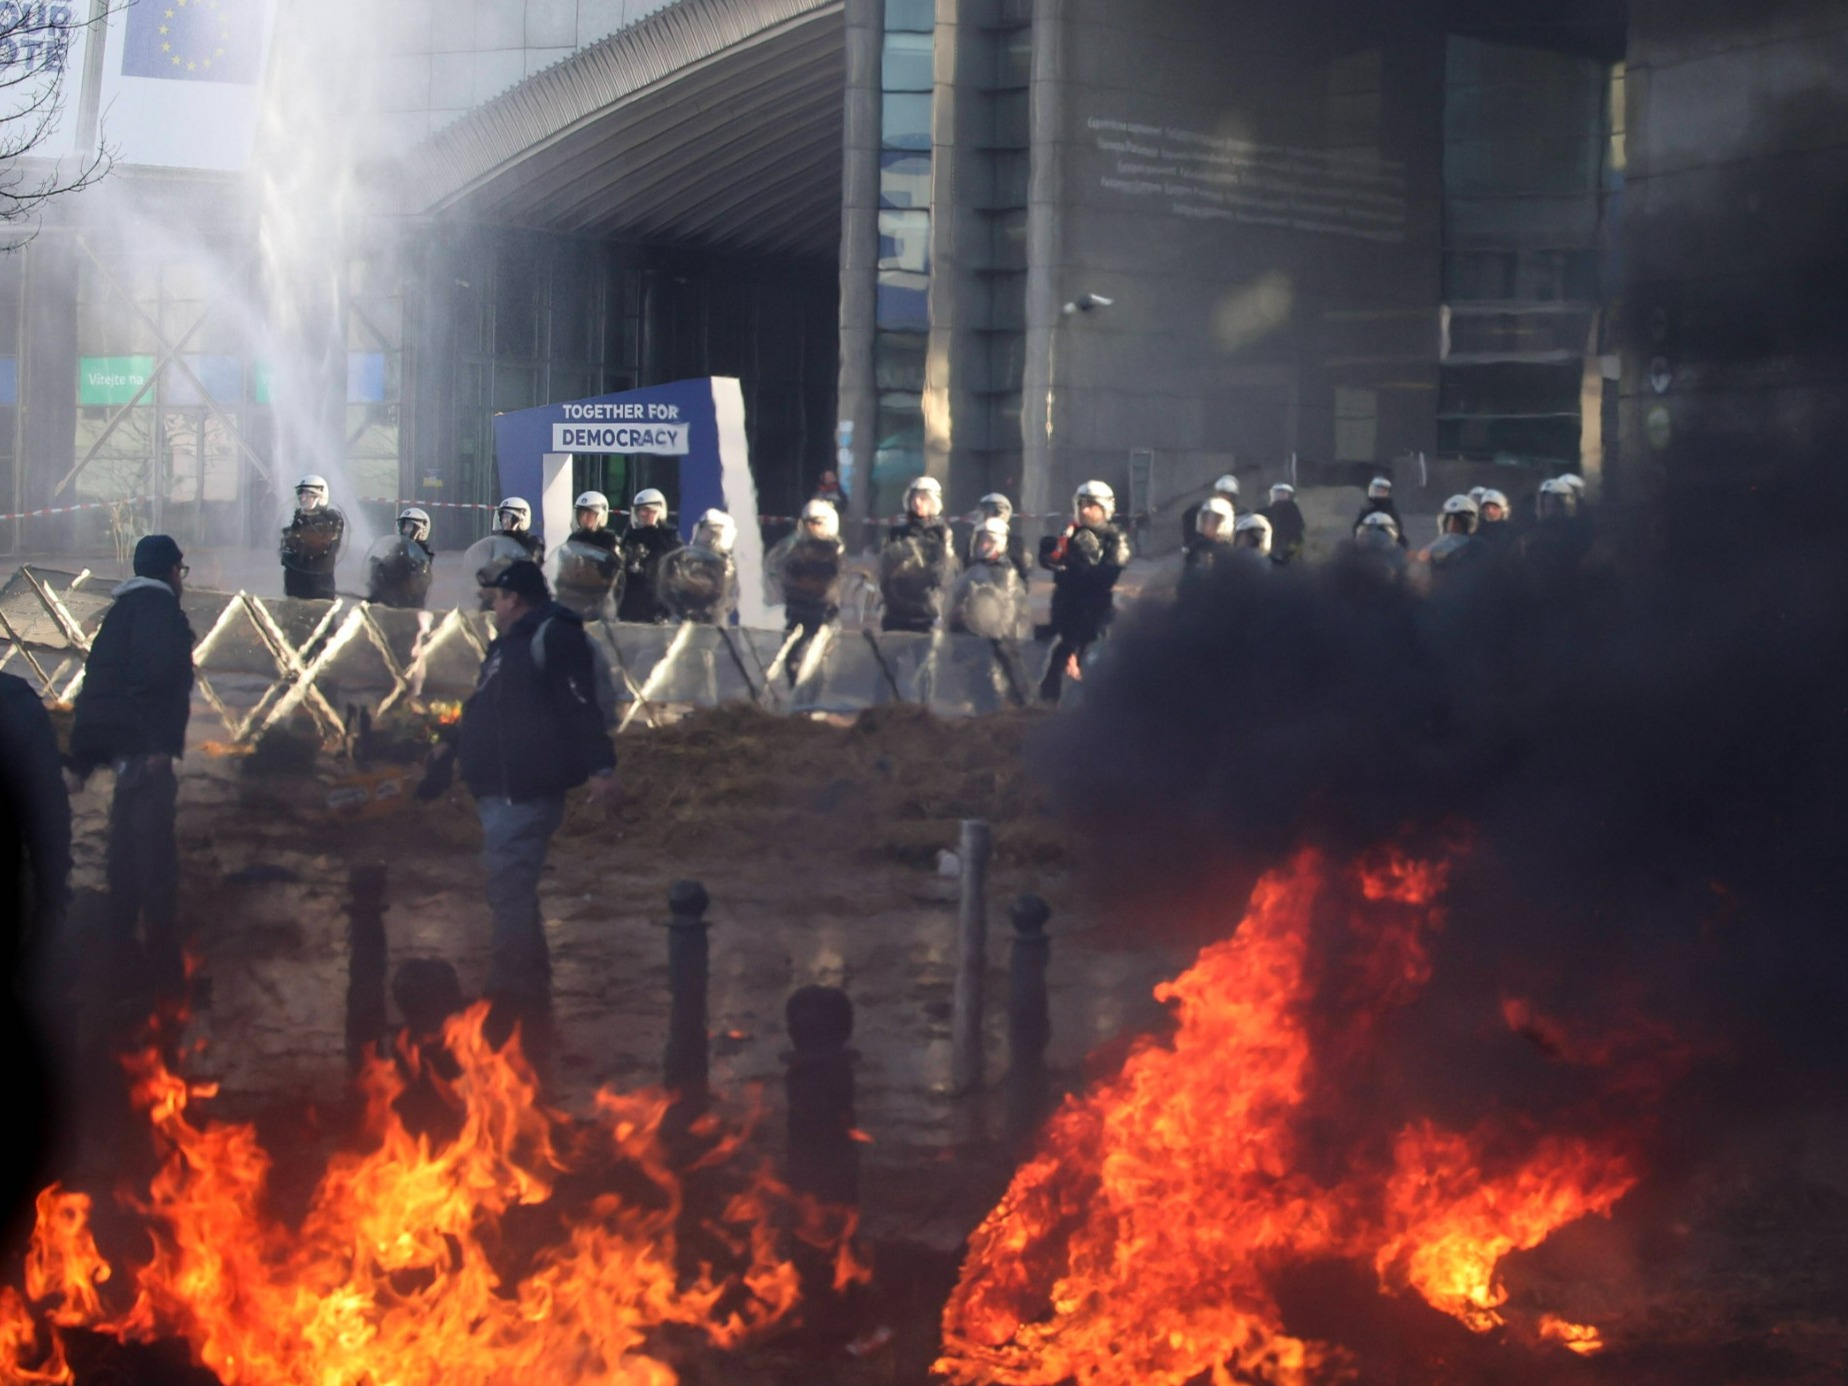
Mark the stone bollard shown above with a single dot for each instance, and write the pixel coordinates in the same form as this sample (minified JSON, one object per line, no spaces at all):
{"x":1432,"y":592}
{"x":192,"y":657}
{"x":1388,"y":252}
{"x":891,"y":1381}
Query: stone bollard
{"x":686,"y":1064}
{"x":971,"y":960}
{"x":365,"y":1011}
{"x":1029,"y":1018}
{"x":824,"y":1157}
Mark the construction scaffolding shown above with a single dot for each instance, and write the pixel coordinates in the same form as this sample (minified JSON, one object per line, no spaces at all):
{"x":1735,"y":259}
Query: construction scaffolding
{"x":263,"y":660}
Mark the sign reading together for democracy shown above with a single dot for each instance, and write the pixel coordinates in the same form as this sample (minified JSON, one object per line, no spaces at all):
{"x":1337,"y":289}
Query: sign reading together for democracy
{"x":701,"y":422}
{"x":633,"y":426}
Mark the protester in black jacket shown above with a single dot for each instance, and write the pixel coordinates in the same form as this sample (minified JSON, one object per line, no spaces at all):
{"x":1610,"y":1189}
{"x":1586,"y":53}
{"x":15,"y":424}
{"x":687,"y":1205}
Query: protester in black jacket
{"x":35,"y":868}
{"x":649,"y":540}
{"x":132,"y":712}
{"x":532,"y":730}
{"x":1086,"y":562}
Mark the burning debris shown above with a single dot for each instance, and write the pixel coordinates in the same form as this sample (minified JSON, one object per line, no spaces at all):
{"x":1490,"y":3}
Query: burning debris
{"x":525,"y":1248}
{"x":1141,"y":1241}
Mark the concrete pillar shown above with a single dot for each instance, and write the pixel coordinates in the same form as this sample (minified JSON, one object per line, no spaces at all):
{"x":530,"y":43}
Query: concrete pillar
{"x":1041,"y":483}
{"x":858,"y":393}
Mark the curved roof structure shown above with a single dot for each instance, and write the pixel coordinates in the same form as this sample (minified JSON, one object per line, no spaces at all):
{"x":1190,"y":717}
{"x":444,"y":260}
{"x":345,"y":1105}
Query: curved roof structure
{"x":711,"y":122}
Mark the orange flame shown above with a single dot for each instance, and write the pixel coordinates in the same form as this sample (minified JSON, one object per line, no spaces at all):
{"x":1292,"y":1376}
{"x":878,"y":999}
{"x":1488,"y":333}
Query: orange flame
{"x":1135,"y":1246}
{"x":400,"y":1271}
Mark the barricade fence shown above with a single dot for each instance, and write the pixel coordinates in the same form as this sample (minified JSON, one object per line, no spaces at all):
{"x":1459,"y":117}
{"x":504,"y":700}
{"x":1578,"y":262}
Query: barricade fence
{"x":260,"y":661}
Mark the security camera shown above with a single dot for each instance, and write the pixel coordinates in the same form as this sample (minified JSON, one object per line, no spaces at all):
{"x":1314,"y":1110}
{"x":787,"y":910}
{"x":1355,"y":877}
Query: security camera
{"x":1084,"y":303}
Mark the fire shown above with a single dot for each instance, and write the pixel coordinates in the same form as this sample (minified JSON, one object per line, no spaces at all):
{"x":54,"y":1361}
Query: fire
{"x":1137,"y":1245}
{"x":403,"y":1270}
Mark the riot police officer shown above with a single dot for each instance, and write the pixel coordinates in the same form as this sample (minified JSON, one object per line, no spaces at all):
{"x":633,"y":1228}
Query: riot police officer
{"x":1455,"y":547}
{"x":311,"y":543}
{"x":1085,"y":561}
{"x":918,"y":562}
{"x":1226,"y":488}
{"x":512,"y":540}
{"x":1251,"y":540}
{"x":513,"y":517}
{"x":398,"y":566}
{"x":804,"y":574}
{"x":989,"y":599}
{"x":1379,"y":502}
{"x":1289,"y":529}
{"x":995,"y":506}
{"x":649,"y":539}
{"x":699,"y":581}
{"x":589,"y":568}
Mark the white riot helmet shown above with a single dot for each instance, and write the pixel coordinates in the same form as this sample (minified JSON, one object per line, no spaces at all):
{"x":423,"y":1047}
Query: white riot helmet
{"x":1461,"y":510}
{"x":1227,"y":486}
{"x":1379,"y":488}
{"x":930,"y":488}
{"x":1489,"y":497}
{"x":594,"y":501}
{"x":1556,"y":500}
{"x":414,"y":523}
{"x":644,"y":499}
{"x":1476,"y":493}
{"x":1575,"y":481}
{"x":1377,"y":531}
{"x":989,"y":542}
{"x":316,"y":488}
{"x":821,"y":516}
{"x":716,"y":531}
{"x":996,"y":506}
{"x":1253,"y":532}
{"x":1096,"y":493}
{"x":513,"y":515}
{"x":1282,"y":491}
{"x":1218,"y":510}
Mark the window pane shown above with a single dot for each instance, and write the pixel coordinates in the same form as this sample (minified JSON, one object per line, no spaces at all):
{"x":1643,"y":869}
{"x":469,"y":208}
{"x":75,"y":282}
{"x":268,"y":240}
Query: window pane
{"x":898,"y":361}
{"x":901,"y":300}
{"x":904,"y":180}
{"x":904,"y":241}
{"x":907,"y":62}
{"x":905,"y":121}
{"x":917,"y":15}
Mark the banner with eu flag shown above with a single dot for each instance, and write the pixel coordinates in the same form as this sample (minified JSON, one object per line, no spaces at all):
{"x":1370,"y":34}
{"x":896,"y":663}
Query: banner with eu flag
{"x":183,"y":81}
{"x":195,"y":40}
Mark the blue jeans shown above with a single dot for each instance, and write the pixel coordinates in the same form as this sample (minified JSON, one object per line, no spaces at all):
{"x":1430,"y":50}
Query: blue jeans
{"x":514,"y":839}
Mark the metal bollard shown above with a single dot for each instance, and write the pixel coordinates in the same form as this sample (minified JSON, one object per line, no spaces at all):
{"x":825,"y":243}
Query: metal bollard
{"x":1029,"y":1017}
{"x":971,"y":960}
{"x":365,"y":1008}
{"x":824,"y":1156}
{"x":687,"y":1062}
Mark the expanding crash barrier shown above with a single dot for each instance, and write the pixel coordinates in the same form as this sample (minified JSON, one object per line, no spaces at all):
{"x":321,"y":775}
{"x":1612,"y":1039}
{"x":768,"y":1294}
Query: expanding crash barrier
{"x":261,"y":660}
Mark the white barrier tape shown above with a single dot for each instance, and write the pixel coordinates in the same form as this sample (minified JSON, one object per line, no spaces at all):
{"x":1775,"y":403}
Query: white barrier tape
{"x":73,"y":509}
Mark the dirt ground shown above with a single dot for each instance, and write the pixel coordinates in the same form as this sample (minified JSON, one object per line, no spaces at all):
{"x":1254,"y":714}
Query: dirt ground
{"x":819,"y":845}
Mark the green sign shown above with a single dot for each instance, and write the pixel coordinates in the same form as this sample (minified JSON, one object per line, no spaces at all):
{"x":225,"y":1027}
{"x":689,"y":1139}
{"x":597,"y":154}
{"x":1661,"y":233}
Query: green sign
{"x":112,"y":379}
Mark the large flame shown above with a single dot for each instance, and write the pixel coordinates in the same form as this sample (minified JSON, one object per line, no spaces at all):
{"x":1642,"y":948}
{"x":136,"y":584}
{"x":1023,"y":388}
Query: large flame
{"x":400,"y":1271}
{"x":1136,"y":1246}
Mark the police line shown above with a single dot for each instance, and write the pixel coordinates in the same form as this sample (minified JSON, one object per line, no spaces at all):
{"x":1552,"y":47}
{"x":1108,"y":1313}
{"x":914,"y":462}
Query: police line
{"x":264,"y":660}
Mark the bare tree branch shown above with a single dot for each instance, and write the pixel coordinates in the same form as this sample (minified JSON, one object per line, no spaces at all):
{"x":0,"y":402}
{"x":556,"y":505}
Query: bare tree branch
{"x":37,"y":38}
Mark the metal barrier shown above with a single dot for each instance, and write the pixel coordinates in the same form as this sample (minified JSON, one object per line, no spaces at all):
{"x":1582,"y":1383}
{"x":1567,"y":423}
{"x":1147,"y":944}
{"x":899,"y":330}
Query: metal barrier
{"x":260,"y":660}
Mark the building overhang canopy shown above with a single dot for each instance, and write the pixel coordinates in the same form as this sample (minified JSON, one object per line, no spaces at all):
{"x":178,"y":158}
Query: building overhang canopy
{"x":712,"y":123}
